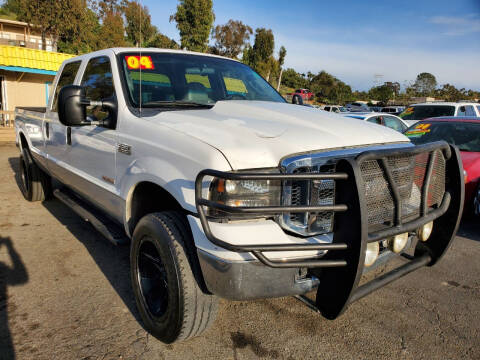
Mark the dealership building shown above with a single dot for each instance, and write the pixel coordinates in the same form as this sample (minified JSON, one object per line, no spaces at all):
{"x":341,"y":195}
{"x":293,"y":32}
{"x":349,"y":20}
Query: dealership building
{"x":26,"y":71}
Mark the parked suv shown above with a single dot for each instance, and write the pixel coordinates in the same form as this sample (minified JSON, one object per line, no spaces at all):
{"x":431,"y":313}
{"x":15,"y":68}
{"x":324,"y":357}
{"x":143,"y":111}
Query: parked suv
{"x":417,"y":112}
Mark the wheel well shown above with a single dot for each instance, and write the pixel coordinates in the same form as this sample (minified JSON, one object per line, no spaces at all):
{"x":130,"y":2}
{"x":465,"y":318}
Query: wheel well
{"x":23,"y":141}
{"x":147,"y":198}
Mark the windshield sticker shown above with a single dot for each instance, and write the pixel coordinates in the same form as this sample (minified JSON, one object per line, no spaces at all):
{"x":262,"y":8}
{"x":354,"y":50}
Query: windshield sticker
{"x":139,"y":62}
{"x":406,"y":112}
{"x":419,"y":130}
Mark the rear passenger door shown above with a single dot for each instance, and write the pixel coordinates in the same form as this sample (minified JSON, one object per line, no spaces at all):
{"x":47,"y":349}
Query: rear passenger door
{"x":55,"y":132}
{"x":91,"y":149}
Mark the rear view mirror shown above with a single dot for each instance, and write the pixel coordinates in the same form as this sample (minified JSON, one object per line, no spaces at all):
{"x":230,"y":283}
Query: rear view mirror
{"x":71,"y":110}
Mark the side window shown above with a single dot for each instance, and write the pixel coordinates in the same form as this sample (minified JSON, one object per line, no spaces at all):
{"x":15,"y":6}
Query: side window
{"x":470,"y":111}
{"x":98,"y":83}
{"x":66,"y":78}
{"x":462,"y":111}
{"x":327,"y":108}
{"x":394,"y":123}
{"x":376,"y":120}
{"x":478,"y":110}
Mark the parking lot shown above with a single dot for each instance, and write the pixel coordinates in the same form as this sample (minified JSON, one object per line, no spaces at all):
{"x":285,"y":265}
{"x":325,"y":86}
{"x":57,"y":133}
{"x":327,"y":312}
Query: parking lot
{"x":65,"y":294}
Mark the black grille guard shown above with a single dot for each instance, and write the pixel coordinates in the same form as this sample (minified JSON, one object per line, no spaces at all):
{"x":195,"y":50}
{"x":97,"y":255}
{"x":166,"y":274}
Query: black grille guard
{"x":343,"y":264}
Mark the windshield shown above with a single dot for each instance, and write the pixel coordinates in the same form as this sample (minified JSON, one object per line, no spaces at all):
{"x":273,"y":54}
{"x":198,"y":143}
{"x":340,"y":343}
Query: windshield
{"x":421,"y":112}
{"x":463,"y":134}
{"x":180,"y":79}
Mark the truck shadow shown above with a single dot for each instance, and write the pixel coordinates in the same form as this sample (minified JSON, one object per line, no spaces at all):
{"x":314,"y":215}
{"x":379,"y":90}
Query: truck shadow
{"x":113,"y":261}
{"x":15,"y":274}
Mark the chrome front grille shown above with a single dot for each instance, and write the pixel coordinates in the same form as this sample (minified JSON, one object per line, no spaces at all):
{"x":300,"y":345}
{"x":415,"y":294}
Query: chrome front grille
{"x":310,"y":193}
{"x":407,"y":170}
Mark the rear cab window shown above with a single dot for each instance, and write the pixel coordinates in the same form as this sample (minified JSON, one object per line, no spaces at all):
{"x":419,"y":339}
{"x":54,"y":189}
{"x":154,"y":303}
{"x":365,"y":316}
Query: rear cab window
{"x":420,"y":112}
{"x":67,"y":77}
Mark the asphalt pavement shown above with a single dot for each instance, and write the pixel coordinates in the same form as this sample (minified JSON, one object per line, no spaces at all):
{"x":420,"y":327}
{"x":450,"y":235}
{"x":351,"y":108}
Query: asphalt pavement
{"x":65,"y":294}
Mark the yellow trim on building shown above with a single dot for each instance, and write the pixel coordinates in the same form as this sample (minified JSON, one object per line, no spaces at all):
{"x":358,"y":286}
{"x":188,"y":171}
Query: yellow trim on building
{"x":31,"y":58}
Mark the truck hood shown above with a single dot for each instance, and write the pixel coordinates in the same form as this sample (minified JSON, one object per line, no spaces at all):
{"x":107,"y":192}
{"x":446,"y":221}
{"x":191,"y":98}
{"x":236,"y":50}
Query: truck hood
{"x":255,"y":134}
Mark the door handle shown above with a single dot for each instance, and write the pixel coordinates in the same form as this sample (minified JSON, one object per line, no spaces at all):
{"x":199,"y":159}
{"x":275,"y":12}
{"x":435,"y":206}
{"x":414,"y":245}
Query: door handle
{"x":47,"y":130}
{"x":69,"y":135}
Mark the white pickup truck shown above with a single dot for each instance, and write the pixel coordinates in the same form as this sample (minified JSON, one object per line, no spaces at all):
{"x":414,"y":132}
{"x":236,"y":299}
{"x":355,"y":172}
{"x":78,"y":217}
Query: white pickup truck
{"x":224,"y":190}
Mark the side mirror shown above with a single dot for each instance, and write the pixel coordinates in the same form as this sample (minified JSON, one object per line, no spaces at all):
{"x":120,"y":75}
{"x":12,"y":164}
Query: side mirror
{"x":71,"y":110}
{"x":72,"y":107}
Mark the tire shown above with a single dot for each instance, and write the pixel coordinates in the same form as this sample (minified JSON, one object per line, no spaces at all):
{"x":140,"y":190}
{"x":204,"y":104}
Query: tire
{"x":35,"y":184}
{"x":296,"y":100}
{"x":165,"y":279}
{"x":475,"y":209}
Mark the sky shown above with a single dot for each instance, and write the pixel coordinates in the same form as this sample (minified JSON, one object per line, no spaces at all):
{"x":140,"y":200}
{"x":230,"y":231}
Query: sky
{"x":357,"y":39}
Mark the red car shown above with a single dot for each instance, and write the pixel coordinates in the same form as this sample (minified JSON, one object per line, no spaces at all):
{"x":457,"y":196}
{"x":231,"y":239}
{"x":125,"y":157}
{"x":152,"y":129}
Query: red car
{"x":305,"y":94}
{"x":465,"y":134}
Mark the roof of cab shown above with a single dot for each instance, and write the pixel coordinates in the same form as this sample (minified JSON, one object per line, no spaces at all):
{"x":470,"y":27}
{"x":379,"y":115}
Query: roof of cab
{"x":440,"y":103}
{"x":453,"y":118}
{"x":119,"y":50}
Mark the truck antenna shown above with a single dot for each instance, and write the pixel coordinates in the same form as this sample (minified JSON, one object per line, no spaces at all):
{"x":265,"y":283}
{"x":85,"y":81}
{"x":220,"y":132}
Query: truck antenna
{"x":140,"y":50}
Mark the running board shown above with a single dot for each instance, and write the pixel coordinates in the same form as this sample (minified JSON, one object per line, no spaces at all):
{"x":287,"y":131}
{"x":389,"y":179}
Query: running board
{"x":110,"y":230}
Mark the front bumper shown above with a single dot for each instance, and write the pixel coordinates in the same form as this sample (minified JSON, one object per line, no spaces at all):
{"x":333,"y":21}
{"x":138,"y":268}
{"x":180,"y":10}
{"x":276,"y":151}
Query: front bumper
{"x":341,"y":268}
{"x":247,"y":280}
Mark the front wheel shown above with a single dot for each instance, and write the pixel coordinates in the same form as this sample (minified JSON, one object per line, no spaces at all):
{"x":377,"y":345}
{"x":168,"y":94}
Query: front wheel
{"x":168,"y":296}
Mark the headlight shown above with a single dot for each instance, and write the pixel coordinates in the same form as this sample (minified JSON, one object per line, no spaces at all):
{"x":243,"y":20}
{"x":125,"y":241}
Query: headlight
{"x":240,"y":193}
{"x":371,"y":253}
{"x":398,"y":242}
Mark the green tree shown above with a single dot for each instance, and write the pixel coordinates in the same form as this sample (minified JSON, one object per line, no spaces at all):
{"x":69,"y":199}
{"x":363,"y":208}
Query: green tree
{"x":231,"y":38}
{"x":53,"y":18}
{"x":112,"y":32}
{"x":82,"y":36}
{"x":449,"y":92}
{"x":263,"y":45}
{"x":103,"y":7}
{"x":328,"y":88}
{"x":161,"y":41}
{"x":282,"y":53}
{"x":425,"y":84}
{"x":9,"y":9}
{"x":292,"y":79}
{"x":194,"y":20}
{"x":260,"y":56}
{"x":139,"y":28}
{"x":360,"y":95}
{"x":381,"y":93}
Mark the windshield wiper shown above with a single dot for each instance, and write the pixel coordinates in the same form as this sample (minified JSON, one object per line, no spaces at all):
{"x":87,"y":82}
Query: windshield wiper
{"x":177,"y":103}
